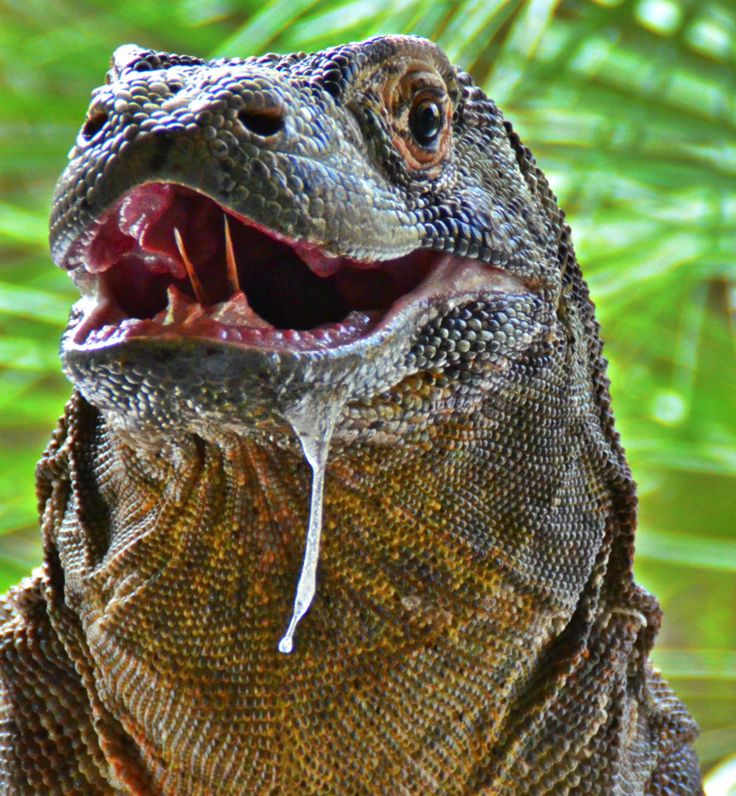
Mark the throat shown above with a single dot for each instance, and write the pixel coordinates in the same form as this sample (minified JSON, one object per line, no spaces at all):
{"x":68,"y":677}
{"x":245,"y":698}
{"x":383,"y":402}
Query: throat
{"x":182,"y":572}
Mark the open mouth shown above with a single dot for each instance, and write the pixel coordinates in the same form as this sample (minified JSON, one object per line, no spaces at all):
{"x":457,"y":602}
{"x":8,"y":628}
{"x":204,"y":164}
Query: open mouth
{"x":170,"y":261}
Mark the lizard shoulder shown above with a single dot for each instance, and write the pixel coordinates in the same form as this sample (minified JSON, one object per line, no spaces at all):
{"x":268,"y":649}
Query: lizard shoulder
{"x":47,"y":741}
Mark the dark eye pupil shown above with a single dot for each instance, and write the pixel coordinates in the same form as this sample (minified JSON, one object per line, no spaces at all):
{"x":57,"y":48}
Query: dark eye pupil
{"x":426,"y":122}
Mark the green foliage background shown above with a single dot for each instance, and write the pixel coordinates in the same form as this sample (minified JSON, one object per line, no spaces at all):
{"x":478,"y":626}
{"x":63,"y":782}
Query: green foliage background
{"x":629,"y":106}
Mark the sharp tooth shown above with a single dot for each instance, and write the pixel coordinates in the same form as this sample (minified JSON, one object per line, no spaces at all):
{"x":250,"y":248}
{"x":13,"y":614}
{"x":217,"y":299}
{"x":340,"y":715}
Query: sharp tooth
{"x":238,"y":312}
{"x":178,"y":306}
{"x":97,"y":311}
{"x":232,"y":266}
{"x":191,"y":272}
{"x":194,"y":313}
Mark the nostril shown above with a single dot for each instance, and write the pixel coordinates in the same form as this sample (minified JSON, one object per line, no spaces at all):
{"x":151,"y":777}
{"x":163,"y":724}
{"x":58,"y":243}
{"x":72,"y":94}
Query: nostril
{"x":95,"y":122}
{"x":264,"y":122}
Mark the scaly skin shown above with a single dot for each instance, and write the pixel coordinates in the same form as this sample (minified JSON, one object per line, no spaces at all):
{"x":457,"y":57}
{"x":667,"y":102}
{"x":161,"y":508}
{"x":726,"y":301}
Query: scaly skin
{"x":476,"y":627}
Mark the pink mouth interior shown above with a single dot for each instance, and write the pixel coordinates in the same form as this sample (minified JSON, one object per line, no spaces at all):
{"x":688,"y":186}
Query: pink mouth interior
{"x":286,"y":285}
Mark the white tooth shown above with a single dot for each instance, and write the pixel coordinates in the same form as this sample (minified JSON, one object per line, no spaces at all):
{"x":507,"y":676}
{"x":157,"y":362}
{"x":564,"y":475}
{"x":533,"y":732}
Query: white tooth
{"x":194,"y":313}
{"x":178,"y":306}
{"x":238,"y":312}
{"x":232,"y":265}
{"x":191,"y":270}
{"x":95,"y":311}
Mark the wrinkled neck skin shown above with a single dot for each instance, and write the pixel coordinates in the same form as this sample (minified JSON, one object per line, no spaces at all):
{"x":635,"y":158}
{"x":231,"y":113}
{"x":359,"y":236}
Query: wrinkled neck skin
{"x":178,"y":561}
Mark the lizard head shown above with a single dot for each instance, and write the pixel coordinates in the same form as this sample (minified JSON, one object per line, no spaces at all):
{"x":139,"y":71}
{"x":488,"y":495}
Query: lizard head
{"x":354,"y":224}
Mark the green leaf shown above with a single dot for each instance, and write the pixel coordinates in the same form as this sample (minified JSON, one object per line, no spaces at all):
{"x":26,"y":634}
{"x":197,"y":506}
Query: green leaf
{"x":23,"y":226}
{"x":697,"y":664}
{"x":690,"y":551}
{"x":36,"y":304}
{"x":26,"y":354}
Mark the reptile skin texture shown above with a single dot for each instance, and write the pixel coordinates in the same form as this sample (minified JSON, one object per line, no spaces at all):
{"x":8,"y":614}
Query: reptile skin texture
{"x":476,"y":628}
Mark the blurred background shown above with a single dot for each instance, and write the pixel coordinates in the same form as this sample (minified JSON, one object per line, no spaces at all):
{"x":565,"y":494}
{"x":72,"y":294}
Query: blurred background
{"x":630,"y":109}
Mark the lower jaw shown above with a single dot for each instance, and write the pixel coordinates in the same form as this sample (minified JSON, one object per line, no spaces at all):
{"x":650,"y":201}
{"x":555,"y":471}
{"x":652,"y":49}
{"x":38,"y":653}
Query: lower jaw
{"x":154,"y":384}
{"x":201,"y":325}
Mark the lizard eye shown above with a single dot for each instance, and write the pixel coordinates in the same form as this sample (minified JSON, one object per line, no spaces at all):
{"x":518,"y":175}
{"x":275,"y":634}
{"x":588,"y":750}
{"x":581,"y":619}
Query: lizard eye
{"x":418,"y":111}
{"x":425,"y":122}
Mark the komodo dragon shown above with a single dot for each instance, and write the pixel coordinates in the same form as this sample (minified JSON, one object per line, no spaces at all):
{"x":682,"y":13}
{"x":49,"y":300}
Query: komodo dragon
{"x":341,"y":269}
